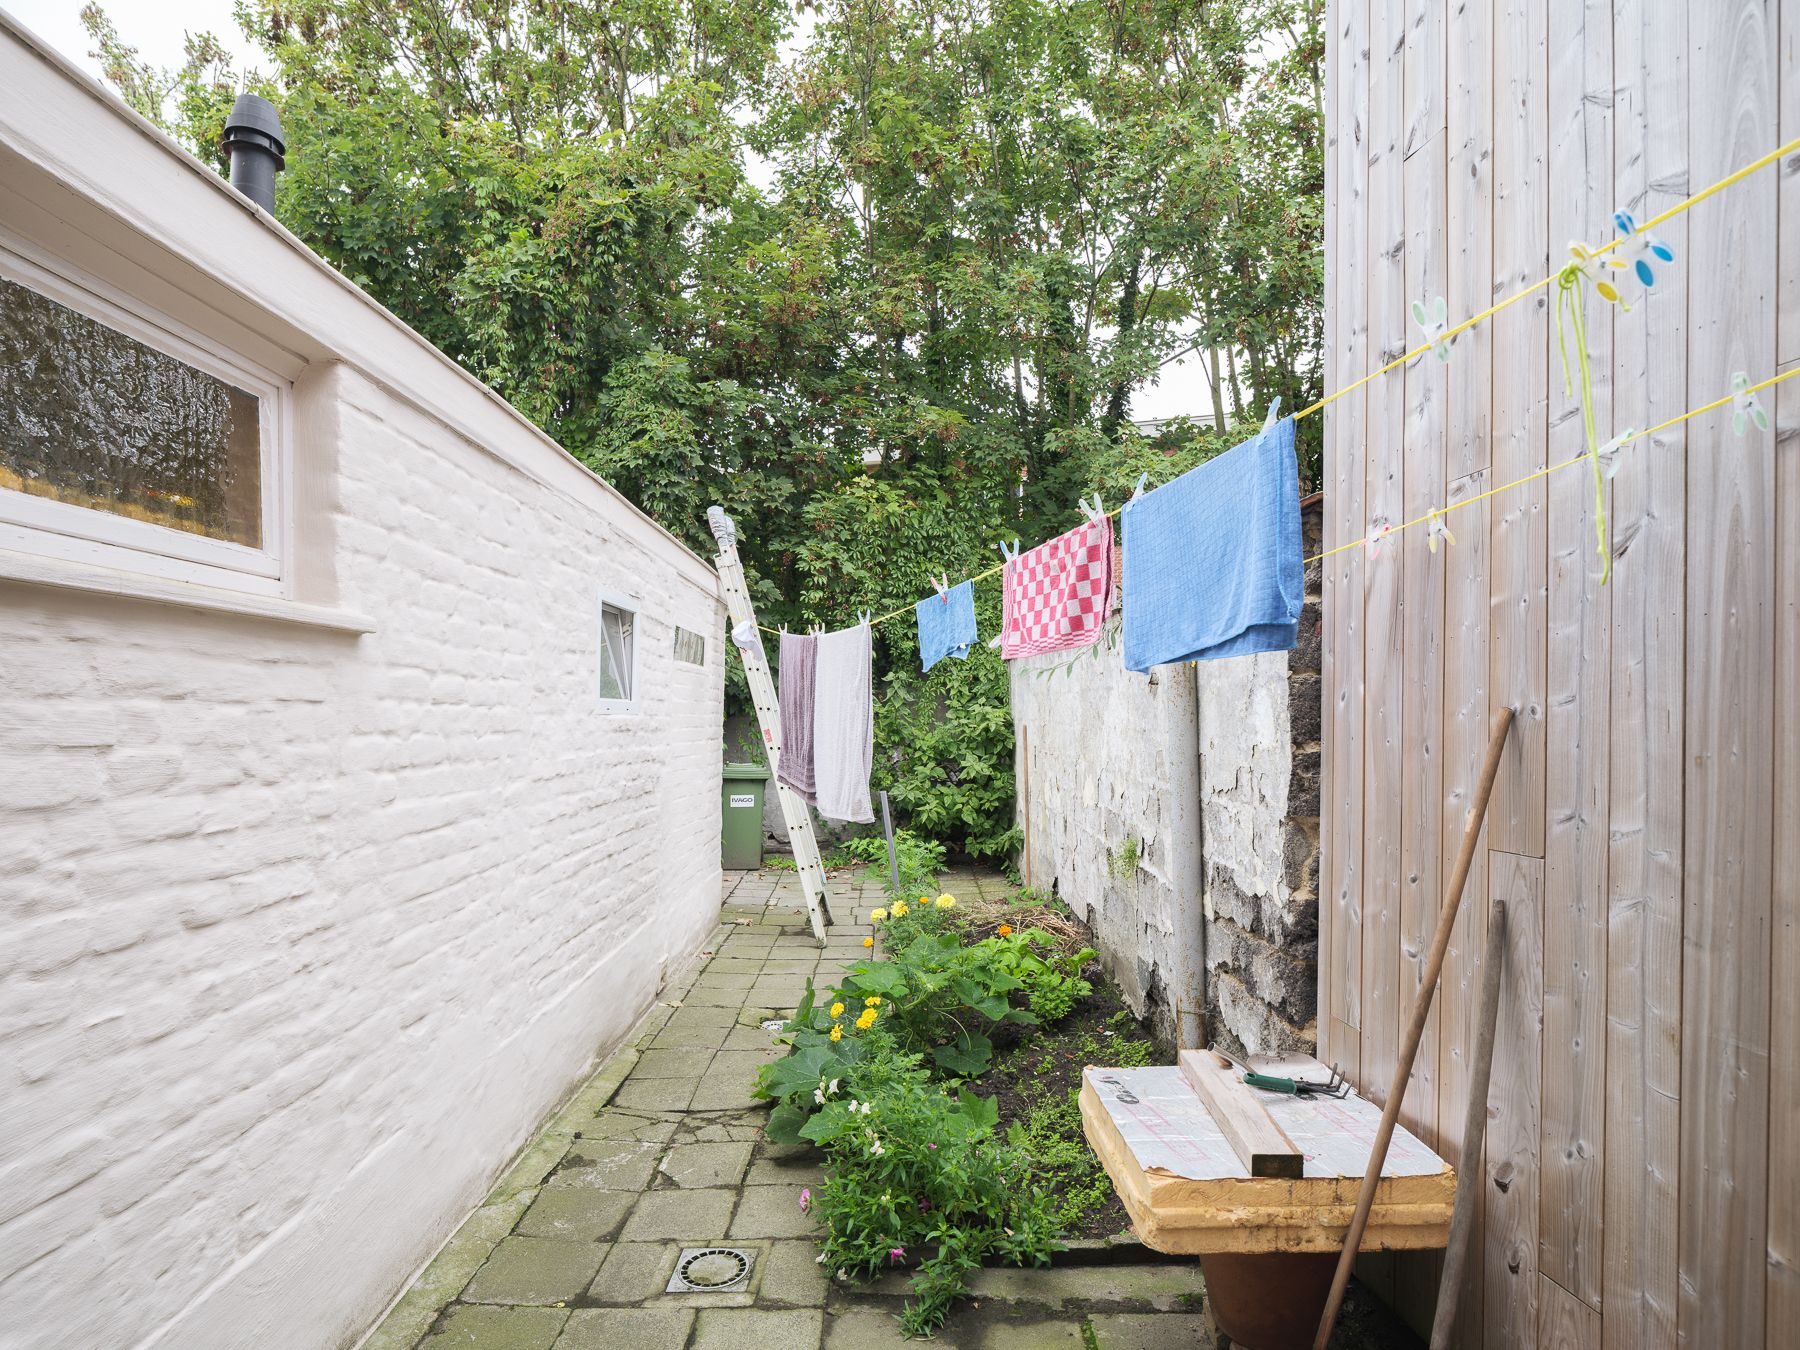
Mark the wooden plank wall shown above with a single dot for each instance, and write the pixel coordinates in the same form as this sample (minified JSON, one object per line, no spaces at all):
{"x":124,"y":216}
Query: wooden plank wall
{"x":1641,"y":1185}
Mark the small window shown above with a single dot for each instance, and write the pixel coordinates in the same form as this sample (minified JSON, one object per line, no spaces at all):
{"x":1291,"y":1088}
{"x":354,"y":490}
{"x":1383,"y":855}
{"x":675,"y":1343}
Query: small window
{"x":690,"y":647}
{"x":117,"y":432}
{"x":618,"y":654}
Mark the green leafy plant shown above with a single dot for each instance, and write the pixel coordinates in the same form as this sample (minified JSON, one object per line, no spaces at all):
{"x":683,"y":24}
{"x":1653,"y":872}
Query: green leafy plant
{"x":1051,"y":979}
{"x":919,"y":860}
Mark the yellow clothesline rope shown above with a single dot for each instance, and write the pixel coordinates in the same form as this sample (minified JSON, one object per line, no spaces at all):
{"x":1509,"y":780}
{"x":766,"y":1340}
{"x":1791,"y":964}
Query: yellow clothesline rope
{"x":1552,"y":468}
{"x":1730,"y":180}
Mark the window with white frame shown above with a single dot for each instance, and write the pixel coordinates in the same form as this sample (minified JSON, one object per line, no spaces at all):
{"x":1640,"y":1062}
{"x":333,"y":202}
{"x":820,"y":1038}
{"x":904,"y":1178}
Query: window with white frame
{"x":126,"y":442}
{"x":618,"y":654}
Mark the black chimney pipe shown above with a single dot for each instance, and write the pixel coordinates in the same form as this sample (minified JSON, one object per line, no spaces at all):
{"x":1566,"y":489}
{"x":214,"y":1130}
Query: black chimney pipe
{"x":253,"y":141}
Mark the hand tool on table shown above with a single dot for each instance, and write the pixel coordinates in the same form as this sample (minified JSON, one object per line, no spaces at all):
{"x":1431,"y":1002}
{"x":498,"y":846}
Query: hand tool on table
{"x":1334,"y":1086}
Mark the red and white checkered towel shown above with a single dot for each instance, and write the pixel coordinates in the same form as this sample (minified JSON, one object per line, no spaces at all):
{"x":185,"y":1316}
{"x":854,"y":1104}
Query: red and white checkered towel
{"x":1058,"y":595}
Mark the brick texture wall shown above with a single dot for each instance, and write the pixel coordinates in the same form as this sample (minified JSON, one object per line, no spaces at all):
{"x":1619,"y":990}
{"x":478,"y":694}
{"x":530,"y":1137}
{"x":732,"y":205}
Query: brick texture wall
{"x":304,"y":931}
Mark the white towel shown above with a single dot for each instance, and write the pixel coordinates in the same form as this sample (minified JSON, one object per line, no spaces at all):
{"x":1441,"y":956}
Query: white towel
{"x":843,"y":725}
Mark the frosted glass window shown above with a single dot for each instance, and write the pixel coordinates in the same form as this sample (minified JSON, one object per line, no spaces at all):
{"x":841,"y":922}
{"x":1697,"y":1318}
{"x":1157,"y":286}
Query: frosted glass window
{"x":616,"y":652}
{"x":93,"y":418}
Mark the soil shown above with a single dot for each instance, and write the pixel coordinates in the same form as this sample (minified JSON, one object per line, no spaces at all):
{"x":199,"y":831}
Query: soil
{"x":1044,"y":1067}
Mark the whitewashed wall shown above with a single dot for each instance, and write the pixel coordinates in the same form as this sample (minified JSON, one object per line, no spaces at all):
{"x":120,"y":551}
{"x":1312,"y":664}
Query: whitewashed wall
{"x":305,"y":930}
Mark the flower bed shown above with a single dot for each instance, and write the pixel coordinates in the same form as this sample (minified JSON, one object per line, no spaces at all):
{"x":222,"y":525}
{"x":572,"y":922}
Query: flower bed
{"x":881,"y":1078}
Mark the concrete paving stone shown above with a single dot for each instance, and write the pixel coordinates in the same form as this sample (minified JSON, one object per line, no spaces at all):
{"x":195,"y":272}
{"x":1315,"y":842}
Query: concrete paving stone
{"x":479,"y":1328}
{"x":613,"y":1123}
{"x":683,"y":1216}
{"x":754,"y":1038}
{"x":725,"y":1090}
{"x":792,"y":1274}
{"x":656,"y":1063}
{"x":757,"y":1329}
{"x":1040,"y":1334}
{"x":690,"y":1038}
{"x":691,"y":1015}
{"x":727,"y":964}
{"x":780,"y":965}
{"x":636,"y":1328}
{"x":634,"y":1271}
{"x":726,"y":979}
{"x":449,"y":1271}
{"x":1162,"y":1288}
{"x":609,"y":1164}
{"x":799,"y":1169}
{"x":711,"y":996}
{"x":741,"y":1066}
{"x":777,"y":991}
{"x":535,"y":1270}
{"x":657,"y":1094}
{"x":771,"y":1212}
{"x":1152,"y":1331}
{"x":576,"y":1214}
{"x":696,"y":1166}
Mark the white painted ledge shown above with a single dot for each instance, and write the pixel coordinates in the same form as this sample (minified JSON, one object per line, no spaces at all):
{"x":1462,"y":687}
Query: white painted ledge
{"x":75,"y":576}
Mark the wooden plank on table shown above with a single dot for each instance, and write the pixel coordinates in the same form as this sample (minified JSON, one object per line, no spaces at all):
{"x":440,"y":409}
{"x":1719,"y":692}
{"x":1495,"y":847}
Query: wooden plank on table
{"x":1576,"y":722}
{"x":1645,"y":793}
{"x":1510,"y":1298}
{"x":1343,"y":822}
{"x":1470,"y":207}
{"x":1521,"y":338}
{"x":1730,"y":700}
{"x":1426,"y":382}
{"x":1261,"y":1145}
{"x":1564,"y":1321}
{"x":1385,"y":754}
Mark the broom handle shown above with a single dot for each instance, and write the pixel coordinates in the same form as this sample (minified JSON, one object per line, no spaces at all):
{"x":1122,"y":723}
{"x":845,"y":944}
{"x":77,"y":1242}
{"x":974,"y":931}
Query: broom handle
{"x":1409,"y":1050}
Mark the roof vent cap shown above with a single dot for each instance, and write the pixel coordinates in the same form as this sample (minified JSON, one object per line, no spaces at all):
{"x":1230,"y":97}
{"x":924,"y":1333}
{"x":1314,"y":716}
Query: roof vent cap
{"x":253,"y":140}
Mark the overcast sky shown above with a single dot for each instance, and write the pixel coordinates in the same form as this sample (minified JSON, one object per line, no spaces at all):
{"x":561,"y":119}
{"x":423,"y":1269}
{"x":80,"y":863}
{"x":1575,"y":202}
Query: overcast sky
{"x":157,"y":28}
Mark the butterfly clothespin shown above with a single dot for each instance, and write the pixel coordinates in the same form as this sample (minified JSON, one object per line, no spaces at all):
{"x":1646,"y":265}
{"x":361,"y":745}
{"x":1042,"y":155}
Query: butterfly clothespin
{"x":1595,"y":267}
{"x":1746,"y":407}
{"x":1376,"y":535}
{"x":1005,"y":555}
{"x":1094,"y":510}
{"x":1138,"y":491}
{"x":1609,"y":453}
{"x":1437,"y":528}
{"x":1435,"y":322}
{"x":1274,"y":413}
{"x":941,"y":584}
{"x":862,"y":617}
{"x":1641,"y":248}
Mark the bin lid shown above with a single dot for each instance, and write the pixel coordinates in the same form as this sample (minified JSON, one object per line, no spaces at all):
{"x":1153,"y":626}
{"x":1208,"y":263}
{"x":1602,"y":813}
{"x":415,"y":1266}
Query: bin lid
{"x":755,"y":772}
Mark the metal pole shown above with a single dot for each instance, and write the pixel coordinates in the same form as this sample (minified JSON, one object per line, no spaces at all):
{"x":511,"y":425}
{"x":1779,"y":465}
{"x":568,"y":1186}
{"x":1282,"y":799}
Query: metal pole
{"x":887,"y":828}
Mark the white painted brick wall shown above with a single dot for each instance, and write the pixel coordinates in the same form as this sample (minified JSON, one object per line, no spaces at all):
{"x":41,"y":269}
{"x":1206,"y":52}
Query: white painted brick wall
{"x":304,"y":932}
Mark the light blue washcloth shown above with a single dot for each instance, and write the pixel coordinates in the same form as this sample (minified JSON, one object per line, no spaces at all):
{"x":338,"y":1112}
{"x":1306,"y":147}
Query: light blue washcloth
{"x":946,"y":625}
{"x":1213,"y":560}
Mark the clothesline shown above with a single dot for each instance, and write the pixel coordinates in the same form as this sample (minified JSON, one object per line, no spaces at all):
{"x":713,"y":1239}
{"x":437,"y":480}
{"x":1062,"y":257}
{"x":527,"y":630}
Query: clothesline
{"x":1711,"y":190}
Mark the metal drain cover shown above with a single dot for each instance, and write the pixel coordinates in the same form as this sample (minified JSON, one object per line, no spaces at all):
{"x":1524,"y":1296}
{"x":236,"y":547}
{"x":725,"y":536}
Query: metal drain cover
{"x":711,"y":1270}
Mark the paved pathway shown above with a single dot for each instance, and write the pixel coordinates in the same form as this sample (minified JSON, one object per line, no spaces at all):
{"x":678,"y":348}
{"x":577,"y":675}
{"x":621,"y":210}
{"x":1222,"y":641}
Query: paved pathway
{"x":662,"y":1150}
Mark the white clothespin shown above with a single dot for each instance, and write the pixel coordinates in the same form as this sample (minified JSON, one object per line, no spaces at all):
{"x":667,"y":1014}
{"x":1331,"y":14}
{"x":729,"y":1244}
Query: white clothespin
{"x":862,"y":617}
{"x":1274,"y":413}
{"x":1609,"y":453}
{"x":1009,"y":557}
{"x":1138,"y":491}
{"x":1435,"y":322}
{"x":941,"y":584}
{"x":1746,"y":408}
{"x":1376,"y":535}
{"x":1436,"y":529}
{"x":1094,"y":510}
{"x":994,"y":642}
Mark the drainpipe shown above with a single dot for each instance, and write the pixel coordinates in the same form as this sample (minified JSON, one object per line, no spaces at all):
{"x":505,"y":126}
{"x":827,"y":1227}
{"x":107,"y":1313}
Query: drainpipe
{"x":1187,"y":864}
{"x":254,"y":143}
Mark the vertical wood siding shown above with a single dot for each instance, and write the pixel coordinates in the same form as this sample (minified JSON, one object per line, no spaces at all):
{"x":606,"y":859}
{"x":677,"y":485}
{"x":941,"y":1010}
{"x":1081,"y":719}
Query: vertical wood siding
{"x":1641,"y":1185}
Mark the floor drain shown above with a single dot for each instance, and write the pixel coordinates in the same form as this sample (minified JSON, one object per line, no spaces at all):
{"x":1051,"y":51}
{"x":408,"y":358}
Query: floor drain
{"x":711,"y":1270}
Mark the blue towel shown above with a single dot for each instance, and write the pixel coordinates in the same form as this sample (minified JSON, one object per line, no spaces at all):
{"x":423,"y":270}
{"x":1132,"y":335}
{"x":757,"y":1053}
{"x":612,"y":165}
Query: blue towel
{"x":947,"y":625}
{"x":1213,"y":560}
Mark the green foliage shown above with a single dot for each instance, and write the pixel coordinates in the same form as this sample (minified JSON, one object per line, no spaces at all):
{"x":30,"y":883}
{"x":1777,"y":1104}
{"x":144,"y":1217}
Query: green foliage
{"x":1122,"y":862}
{"x":1051,"y":979}
{"x":917,"y":1178}
{"x":918,"y":860}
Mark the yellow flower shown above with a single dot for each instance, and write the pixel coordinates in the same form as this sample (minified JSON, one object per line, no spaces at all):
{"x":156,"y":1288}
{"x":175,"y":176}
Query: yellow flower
{"x":837,"y":1032}
{"x":899,"y":909}
{"x":924,"y":899}
{"x":837,"y":1010}
{"x":1005,"y":930}
{"x":877,"y":915}
{"x":867,"y":1020}
{"x":873,"y":1000}
{"x":946,"y":902}
{"x":868,"y":942}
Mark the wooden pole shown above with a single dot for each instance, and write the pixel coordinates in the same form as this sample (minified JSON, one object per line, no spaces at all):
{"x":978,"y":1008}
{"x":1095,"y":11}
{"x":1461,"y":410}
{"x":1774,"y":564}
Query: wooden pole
{"x":887,"y":829}
{"x":1468,"y":1162}
{"x":1409,"y":1048}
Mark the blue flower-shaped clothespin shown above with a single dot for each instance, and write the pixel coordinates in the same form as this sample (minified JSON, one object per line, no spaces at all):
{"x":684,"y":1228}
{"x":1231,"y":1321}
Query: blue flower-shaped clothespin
{"x":1435,"y":529}
{"x":1609,"y":453}
{"x":1596,"y":267}
{"x":1746,"y":407}
{"x":1641,"y":248}
{"x":1434,"y":321}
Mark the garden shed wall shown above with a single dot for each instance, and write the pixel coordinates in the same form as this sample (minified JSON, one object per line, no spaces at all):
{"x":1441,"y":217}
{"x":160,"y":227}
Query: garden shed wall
{"x":315,"y":904}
